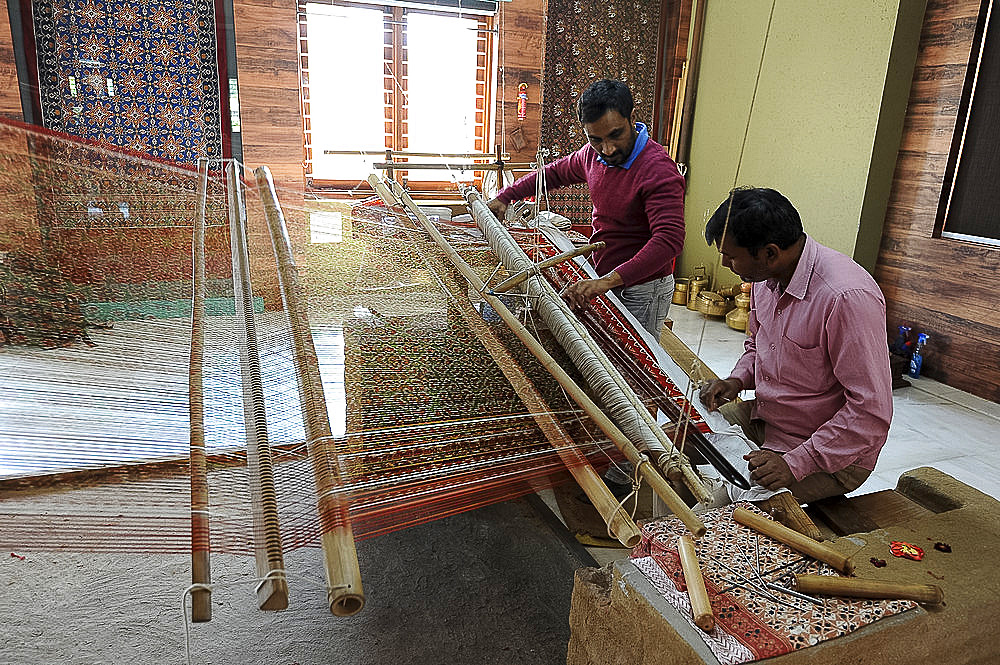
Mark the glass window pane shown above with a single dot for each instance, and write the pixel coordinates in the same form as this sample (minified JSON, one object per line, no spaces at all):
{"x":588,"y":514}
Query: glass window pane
{"x":441,"y":54}
{"x":345,"y":88}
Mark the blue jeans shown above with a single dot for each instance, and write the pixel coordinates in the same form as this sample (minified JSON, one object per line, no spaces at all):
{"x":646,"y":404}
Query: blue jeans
{"x":648,"y":302}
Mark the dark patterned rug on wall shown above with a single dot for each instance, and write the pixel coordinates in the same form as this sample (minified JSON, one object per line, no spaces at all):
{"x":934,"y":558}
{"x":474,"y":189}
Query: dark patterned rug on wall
{"x":137,"y":75}
{"x":585,"y":42}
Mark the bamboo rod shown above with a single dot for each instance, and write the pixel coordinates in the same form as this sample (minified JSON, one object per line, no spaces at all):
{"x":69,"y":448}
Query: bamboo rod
{"x":701,"y":609}
{"x":794,"y":539}
{"x":272,"y":592}
{"x":417,"y":166}
{"x":520,"y":277}
{"x":675,"y":128}
{"x":683,"y":152}
{"x":853,"y":587}
{"x":606,"y":425}
{"x":201,"y":568}
{"x":345,"y":595}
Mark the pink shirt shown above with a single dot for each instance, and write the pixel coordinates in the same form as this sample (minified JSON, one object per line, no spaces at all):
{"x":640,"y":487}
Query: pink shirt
{"x":818,"y":359}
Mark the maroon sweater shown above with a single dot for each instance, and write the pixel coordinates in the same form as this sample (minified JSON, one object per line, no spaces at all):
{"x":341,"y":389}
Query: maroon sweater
{"x":638,"y":211}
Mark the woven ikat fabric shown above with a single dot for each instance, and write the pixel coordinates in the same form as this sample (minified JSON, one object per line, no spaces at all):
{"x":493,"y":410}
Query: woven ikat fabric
{"x":752,"y":621}
{"x":136,"y":74}
{"x":584,"y":42}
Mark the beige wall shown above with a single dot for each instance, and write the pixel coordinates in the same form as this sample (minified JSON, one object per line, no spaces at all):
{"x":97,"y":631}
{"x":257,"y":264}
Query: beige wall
{"x":829,"y":93}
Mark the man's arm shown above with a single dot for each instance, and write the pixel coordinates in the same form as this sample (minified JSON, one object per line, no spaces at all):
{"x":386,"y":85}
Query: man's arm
{"x":568,"y":170}
{"x":856,"y":345}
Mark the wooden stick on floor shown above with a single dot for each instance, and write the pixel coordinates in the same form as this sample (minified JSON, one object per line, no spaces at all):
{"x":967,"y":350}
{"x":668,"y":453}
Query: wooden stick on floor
{"x":701,"y":609}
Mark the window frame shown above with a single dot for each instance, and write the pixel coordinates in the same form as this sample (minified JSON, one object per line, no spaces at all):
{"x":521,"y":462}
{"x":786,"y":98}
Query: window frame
{"x":984,"y":23}
{"x":396,"y":127}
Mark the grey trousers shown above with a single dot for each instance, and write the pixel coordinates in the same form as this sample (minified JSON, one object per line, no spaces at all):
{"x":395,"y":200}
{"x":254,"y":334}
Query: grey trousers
{"x":649,"y":302}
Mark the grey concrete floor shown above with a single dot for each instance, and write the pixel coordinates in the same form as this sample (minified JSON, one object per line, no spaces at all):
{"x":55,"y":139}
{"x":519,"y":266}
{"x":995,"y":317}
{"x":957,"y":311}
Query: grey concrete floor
{"x":488,"y":586}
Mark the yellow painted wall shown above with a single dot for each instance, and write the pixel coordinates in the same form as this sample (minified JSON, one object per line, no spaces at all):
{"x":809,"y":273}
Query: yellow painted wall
{"x":823,"y":127}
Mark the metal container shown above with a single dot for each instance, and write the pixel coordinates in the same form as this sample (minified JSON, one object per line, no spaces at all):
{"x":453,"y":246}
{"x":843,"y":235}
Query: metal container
{"x":712,"y":304}
{"x":694,"y":288}
{"x":699,"y":277}
{"x":680,"y":291}
{"x":737,"y":319}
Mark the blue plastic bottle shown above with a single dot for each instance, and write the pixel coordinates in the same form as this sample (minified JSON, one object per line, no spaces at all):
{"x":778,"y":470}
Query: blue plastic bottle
{"x":917,"y":359}
{"x":902,"y":344}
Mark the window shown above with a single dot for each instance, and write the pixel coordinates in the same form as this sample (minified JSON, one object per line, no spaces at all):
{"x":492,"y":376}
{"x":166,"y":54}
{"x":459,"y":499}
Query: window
{"x":970,"y":200}
{"x":378,"y":77}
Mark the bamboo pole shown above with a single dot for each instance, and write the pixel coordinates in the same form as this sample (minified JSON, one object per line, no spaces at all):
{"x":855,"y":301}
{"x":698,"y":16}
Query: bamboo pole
{"x":522,"y":276}
{"x":794,"y":539}
{"x":853,"y":587}
{"x":201,"y":568}
{"x":272,"y":592}
{"x":701,"y":609}
{"x":345,"y":595}
{"x":606,"y":425}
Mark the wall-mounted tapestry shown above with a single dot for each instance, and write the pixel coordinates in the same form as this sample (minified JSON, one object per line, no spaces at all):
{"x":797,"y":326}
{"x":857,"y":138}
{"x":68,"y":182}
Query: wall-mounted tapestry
{"x":137,"y":75}
{"x":584,"y":42}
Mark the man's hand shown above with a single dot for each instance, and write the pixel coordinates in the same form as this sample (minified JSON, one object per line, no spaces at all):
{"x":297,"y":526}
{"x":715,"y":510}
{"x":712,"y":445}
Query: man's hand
{"x":498,"y":208}
{"x":720,"y":391}
{"x":767,"y":468}
{"x":579,"y":294}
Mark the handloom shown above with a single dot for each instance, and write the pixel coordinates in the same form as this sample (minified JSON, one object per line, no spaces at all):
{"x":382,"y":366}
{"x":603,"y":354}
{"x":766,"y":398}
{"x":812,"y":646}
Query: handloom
{"x":347,"y":388}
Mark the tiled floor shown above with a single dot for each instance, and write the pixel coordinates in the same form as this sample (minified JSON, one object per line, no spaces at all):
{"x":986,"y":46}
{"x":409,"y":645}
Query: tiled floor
{"x":933,"y":424}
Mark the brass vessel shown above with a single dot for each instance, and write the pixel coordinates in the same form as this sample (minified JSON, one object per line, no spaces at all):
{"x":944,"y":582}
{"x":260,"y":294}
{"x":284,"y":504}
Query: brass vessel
{"x":712,"y":304}
{"x":680,"y":296}
{"x":697,"y":283}
{"x":737,"y":319}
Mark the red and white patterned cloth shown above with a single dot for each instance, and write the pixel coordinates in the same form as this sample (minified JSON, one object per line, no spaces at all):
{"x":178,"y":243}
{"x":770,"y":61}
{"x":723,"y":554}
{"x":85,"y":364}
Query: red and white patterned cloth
{"x":752,"y":621}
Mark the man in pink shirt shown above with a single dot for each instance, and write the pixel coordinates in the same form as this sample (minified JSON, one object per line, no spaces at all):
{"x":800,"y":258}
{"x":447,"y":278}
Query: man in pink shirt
{"x":638,"y":197}
{"x":816,"y":356}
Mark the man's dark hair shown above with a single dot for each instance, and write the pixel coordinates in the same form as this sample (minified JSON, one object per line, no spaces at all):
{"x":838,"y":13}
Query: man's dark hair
{"x":754,"y":217}
{"x":603,"y":96}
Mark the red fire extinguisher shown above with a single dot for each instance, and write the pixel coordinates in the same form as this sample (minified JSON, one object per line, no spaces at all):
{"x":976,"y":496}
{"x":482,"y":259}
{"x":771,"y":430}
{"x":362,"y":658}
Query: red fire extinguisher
{"x":522,"y":101}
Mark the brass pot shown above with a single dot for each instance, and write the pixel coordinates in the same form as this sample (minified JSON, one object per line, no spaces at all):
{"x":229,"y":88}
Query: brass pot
{"x":694,"y":288}
{"x":699,"y":277}
{"x":737,"y":319}
{"x":712,"y":304}
{"x":680,"y":296}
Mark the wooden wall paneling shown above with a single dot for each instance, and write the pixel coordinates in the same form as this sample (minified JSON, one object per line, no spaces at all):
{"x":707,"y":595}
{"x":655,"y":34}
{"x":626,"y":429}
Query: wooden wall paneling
{"x":943,"y":287}
{"x":270,"y":107}
{"x":521,"y":30}
{"x":10,"y":97}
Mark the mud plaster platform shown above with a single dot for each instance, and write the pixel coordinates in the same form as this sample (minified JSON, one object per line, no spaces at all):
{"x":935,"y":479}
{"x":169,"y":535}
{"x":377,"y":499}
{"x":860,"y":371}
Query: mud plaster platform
{"x":618,"y":617}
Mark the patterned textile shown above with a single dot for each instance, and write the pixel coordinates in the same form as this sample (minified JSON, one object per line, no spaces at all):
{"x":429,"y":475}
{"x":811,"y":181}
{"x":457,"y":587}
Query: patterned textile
{"x":585,"y":42}
{"x":752,"y":622}
{"x":38,"y":306}
{"x":135,"y":74}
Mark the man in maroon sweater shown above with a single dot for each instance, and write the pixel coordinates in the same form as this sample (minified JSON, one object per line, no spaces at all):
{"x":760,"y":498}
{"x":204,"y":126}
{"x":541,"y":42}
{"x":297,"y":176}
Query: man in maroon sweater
{"x":638,"y":197}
